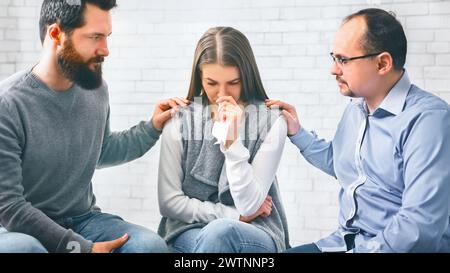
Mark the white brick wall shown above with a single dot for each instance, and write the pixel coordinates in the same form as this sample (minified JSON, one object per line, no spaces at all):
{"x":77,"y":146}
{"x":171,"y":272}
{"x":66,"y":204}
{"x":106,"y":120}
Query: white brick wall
{"x":151,"y":53}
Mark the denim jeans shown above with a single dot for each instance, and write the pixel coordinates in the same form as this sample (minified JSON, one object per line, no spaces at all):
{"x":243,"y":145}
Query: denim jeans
{"x":308,"y":248}
{"x":12,"y":242}
{"x":96,"y":227}
{"x":224,"y":236}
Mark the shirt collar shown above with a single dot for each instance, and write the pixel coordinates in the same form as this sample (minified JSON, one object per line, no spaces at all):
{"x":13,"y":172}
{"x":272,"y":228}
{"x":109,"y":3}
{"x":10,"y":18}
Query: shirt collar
{"x":395,"y":100}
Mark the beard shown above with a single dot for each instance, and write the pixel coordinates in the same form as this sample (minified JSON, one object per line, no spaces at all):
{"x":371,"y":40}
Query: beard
{"x":345,"y":89}
{"x":76,"y":70}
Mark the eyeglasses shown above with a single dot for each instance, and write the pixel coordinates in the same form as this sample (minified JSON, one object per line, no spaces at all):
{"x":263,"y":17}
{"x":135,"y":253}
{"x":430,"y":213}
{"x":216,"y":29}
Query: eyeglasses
{"x":341,"y":61}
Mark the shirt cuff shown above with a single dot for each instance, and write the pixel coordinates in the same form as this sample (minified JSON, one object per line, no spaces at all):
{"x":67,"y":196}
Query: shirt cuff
{"x":151,"y":131}
{"x":86,"y":246}
{"x":74,"y":243}
{"x":233,"y":213}
{"x":236,"y":152}
{"x":302,"y":139}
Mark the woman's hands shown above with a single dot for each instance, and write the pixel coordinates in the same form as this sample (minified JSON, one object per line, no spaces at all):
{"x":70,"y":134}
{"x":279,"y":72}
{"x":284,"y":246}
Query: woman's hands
{"x":264,"y":211}
{"x":230,"y":112}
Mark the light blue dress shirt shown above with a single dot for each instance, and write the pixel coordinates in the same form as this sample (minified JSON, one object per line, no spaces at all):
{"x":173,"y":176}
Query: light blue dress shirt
{"x":393,"y":166}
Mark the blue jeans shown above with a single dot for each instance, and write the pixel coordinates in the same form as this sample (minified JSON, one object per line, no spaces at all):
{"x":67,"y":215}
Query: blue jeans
{"x":309,"y":248}
{"x":97,"y":227}
{"x":224,"y":236}
{"x":12,"y":242}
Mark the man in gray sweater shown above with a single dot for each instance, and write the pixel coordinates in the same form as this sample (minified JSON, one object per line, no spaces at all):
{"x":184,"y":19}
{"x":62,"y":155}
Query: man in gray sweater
{"x":54,"y":132}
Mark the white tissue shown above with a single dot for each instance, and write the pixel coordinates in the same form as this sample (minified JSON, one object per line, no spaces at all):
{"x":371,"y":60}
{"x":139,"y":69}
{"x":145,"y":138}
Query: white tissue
{"x":220,"y":131}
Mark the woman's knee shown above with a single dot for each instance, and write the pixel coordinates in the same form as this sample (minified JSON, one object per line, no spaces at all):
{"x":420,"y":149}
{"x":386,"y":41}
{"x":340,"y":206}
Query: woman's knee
{"x":232,"y":236}
{"x":221,"y":228}
{"x":221,"y":235}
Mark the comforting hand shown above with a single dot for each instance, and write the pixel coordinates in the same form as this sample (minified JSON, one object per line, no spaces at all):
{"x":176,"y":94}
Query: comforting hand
{"x":231,"y":112}
{"x":110,"y":246}
{"x":264,"y":211}
{"x":165,"y":110}
{"x":289,"y":113}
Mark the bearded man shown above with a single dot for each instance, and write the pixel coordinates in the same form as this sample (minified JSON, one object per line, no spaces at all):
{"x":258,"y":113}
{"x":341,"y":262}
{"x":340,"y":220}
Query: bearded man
{"x":54,"y":132}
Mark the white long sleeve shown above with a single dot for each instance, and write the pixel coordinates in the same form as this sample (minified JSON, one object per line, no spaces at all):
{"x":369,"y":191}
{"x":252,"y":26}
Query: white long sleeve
{"x":173,"y":203}
{"x":250,"y":183}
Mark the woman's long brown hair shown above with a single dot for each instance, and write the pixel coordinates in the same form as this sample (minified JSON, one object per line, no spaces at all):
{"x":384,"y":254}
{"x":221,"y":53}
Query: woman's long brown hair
{"x":228,"y":47}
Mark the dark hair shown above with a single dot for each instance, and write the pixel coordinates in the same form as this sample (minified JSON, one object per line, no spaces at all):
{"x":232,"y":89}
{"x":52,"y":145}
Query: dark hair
{"x":384,"y":33}
{"x":69,"y":14}
{"x":229,"y":47}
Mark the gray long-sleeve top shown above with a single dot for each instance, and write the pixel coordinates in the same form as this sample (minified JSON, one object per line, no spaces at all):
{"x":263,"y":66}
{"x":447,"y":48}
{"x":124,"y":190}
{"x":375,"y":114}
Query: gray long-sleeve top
{"x":50,"y":146}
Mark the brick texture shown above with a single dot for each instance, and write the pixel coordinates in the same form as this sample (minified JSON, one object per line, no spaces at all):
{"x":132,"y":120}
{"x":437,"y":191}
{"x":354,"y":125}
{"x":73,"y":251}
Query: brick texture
{"x":152,"y":49}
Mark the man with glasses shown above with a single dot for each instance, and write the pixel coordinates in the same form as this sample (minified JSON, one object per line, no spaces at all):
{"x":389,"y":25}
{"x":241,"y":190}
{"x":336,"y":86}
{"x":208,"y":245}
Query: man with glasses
{"x":391,"y":149}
